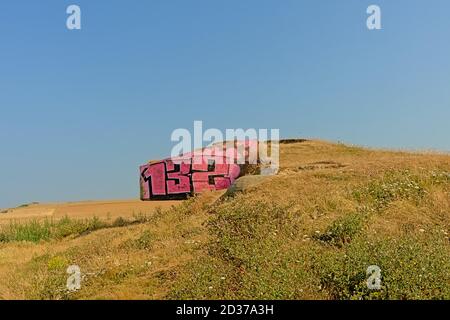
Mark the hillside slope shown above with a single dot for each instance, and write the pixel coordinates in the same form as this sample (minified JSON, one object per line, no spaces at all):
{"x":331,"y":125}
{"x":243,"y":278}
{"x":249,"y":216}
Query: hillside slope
{"x":310,"y":232}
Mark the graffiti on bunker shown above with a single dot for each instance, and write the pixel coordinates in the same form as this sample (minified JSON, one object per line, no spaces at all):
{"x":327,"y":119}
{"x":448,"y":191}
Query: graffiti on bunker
{"x":214,"y":168}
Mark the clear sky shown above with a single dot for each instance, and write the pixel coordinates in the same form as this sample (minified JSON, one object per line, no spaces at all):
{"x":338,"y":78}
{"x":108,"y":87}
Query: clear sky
{"x":82,"y":109}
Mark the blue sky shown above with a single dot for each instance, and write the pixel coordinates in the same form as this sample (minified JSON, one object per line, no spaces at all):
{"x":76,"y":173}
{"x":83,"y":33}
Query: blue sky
{"x":80,"y":110}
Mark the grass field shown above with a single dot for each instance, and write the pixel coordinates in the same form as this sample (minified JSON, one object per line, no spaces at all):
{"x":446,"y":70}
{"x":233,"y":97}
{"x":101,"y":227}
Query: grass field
{"x":309,"y":232}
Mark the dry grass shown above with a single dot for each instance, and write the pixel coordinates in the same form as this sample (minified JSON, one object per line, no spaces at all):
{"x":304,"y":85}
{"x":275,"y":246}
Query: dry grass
{"x":308,"y":233}
{"x":104,"y":210}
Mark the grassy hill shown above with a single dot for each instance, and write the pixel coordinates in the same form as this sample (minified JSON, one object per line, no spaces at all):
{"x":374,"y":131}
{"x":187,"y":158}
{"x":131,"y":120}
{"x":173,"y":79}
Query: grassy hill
{"x":309,"y":232}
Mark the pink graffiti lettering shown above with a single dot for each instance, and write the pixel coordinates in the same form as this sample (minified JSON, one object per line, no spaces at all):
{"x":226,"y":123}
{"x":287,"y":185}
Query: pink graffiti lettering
{"x":212,"y":168}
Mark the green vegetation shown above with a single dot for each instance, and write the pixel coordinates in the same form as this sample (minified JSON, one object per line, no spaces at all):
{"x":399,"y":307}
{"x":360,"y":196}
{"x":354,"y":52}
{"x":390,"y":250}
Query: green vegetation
{"x":258,"y":251}
{"x":392,"y":186}
{"x":412,"y":268}
{"x":35,"y":231}
{"x":343,"y":230}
